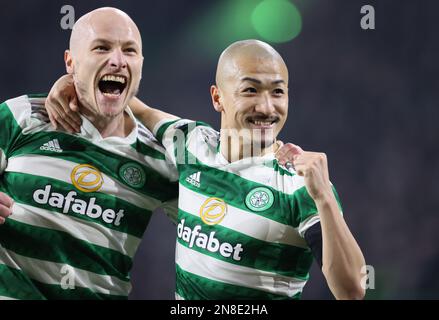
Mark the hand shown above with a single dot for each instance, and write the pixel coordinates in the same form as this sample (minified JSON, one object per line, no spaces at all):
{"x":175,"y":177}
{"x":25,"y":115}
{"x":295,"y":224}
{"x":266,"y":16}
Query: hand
{"x":313,"y":166}
{"x":286,"y":153}
{"x":6,"y":204}
{"x":62,"y":105}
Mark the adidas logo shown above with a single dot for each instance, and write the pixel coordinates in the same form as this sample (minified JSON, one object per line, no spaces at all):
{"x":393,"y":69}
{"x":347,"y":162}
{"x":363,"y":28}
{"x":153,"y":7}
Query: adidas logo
{"x":52,"y":145}
{"x":194,"y":179}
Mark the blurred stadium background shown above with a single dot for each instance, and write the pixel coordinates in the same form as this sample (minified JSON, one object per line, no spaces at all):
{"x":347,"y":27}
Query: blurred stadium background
{"x":369,"y":99}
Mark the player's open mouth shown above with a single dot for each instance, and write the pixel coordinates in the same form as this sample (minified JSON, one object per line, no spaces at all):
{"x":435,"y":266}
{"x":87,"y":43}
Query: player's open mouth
{"x":262,"y":123}
{"x":112,"y":85}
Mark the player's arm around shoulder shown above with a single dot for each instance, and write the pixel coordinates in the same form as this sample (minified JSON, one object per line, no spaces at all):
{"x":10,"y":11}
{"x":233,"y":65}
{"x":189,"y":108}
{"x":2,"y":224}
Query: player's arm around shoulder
{"x":62,"y":107}
{"x":149,"y":117}
{"x":342,"y":259}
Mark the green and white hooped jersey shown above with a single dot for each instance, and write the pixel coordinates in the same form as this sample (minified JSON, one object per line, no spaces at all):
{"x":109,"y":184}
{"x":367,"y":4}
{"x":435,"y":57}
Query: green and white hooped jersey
{"x":241,"y":225}
{"x":82,"y":204}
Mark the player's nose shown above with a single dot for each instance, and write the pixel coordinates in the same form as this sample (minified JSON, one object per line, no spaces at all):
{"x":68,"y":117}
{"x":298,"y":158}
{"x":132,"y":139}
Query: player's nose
{"x":265,"y":105}
{"x":117,"y":59}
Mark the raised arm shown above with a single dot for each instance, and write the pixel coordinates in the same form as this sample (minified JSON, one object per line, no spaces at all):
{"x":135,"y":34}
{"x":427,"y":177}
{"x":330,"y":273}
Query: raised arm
{"x":342,"y":259}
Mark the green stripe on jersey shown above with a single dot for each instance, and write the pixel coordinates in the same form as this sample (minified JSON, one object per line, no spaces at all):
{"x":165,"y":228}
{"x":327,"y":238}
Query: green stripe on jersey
{"x":202,"y":288}
{"x":273,"y":257}
{"x":9,"y":128}
{"x":21,"y":187}
{"x":60,"y":247}
{"x":37,"y":95}
{"x":163,"y":128}
{"x":146,"y":150}
{"x":185,"y":128}
{"x":233,"y":189}
{"x":53,"y":291}
{"x":15,"y":284}
{"x":276,"y":167}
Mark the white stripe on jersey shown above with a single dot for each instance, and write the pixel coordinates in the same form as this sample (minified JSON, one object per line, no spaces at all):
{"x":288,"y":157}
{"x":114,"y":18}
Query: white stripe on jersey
{"x":3,"y":161}
{"x":256,"y":172}
{"x":308,"y":223}
{"x":53,"y":273}
{"x":243,"y":221}
{"x":168,"y":140}
{"x":61,"y":169}
{"x":178,"y":297}
{"x":81,"y":229}
{"x":211,"y":268}
{"x":20,"y":108}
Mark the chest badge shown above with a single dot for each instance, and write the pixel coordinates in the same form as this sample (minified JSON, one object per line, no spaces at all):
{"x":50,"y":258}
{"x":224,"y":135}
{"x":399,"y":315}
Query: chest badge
{"x":133,"y":174}
{"x":259,"y":199}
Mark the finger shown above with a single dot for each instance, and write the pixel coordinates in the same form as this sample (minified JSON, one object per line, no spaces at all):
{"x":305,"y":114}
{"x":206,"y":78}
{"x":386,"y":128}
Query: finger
{"x":291,"y":153}
{"x":52,"y":120}
{"x":2,"y":220}
{"x":54,"y":108}
{"x":74,"y":104}
{"x":49,"y":105}
{"x":64,"y":110}
{"x":66,"y":125}
{"x":73,"y":113}
{"x":6,"y":200}
{"x":281,"y":155}
{"x":299,"y":158}
{"x":5,"y":211}
{"x":297,"y":149}
{"x":279,"y":144}
{"x":300,"y":170}
{"x":74,"y":120}
{"x":68,"y":114}
{"x":60,"y":118}
{"x":73,"y":109}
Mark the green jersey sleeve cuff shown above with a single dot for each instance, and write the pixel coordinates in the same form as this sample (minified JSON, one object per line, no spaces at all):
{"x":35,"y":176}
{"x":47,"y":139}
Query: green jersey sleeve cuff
{"x":161,"y":127}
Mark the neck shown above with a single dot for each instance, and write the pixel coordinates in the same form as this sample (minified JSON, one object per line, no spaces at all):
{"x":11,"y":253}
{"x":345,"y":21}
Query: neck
{"x":234,"y":149}
{"x":117,"y":126}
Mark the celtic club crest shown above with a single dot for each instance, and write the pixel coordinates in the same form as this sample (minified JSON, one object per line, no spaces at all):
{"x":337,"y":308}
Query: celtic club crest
{"x":133,"y":175}
{"x":259,"y":199}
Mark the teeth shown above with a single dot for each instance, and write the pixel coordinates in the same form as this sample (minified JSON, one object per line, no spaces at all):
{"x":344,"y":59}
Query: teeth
{"x":114,"y":78}
{"x":262,"y":123}
{"x":112,"y":95}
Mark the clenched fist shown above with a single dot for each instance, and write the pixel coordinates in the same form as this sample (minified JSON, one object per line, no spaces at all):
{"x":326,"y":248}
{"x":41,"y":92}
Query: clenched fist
{"x":5,"y":207}
{"x":313,"y":166}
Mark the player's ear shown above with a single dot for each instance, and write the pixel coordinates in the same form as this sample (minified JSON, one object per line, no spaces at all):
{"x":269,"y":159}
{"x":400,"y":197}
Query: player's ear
{"x":68,"y":61}
{"x":216,"y":98}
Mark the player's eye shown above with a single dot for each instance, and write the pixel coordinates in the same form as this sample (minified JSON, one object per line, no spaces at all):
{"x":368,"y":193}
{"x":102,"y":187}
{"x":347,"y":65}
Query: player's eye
{"x":278,"y":91}
{"x":101,"y":48}
{"x":250,"y":90}
{"x":130,"y":50}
